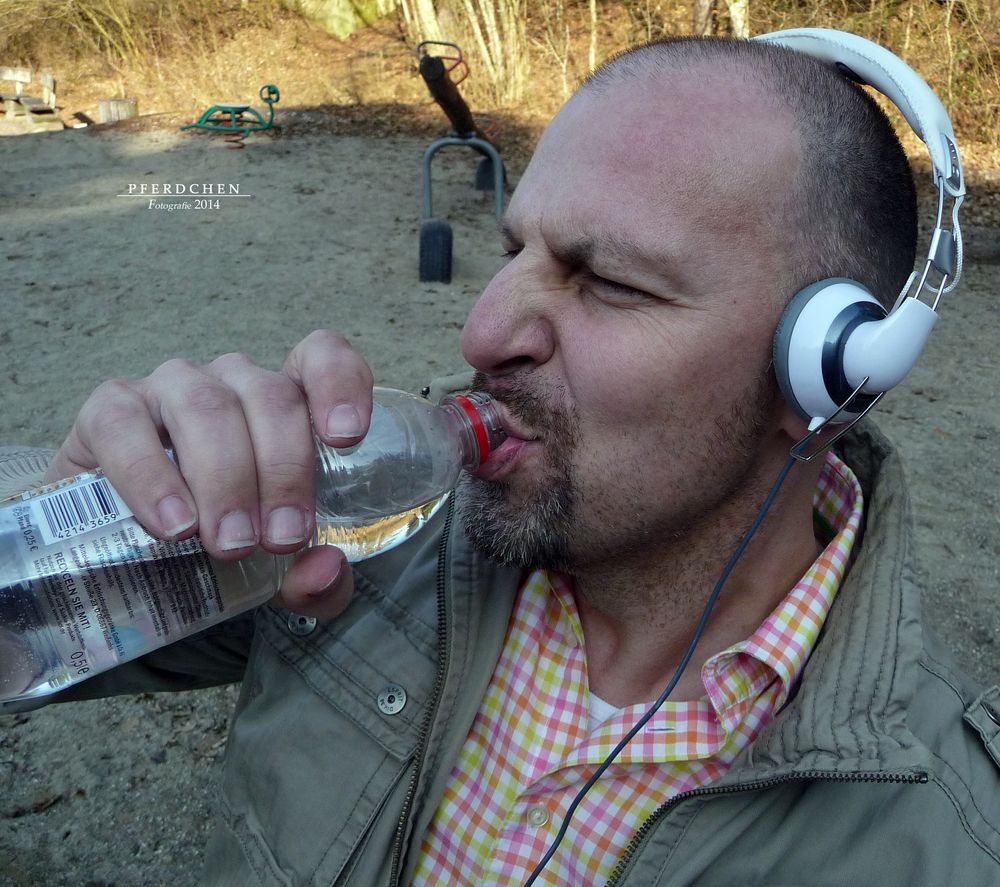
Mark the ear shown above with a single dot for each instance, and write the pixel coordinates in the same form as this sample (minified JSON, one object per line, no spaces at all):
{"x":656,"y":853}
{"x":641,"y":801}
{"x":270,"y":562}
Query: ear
{"x":809,"y":344}
{"x":790,"y":423}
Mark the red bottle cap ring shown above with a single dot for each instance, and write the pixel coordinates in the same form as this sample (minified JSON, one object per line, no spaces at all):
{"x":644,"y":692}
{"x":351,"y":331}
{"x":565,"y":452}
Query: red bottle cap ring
{"x":478,"y":426}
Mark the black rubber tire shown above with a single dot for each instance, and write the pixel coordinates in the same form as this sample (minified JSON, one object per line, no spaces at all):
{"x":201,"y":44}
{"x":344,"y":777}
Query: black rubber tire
{"x":484,"y":174}
{"x":435,"y":251}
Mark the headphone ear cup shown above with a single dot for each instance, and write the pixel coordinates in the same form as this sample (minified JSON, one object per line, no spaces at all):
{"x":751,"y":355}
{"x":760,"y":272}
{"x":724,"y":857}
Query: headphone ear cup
{"x":783,"y":346}
{"x":809,"y":346}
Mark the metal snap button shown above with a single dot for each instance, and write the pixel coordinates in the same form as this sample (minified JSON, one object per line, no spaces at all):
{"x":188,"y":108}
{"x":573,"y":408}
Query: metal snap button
{"x":392,"y":699}
{"x":538,"y":815}
{"x":301,"y":625}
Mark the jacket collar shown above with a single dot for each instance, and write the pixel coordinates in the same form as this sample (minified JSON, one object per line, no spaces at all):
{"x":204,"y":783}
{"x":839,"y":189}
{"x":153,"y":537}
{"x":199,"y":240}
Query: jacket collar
{"x":849,"y":713}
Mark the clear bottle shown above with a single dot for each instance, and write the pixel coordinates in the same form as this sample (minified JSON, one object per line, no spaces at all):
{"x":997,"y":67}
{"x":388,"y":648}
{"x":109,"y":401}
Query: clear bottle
{"x":83,"y":587}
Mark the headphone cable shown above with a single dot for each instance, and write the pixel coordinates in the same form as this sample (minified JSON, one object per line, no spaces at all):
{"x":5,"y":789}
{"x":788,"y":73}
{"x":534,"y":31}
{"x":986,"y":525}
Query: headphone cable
{"x":685,"y":660}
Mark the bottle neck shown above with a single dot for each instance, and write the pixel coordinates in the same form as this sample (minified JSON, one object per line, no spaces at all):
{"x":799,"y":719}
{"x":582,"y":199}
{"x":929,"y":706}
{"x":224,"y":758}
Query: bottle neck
{"x":478,"y":422}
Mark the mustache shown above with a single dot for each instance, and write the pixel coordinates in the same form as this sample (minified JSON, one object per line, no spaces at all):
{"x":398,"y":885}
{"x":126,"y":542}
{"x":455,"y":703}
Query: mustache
{"x":524,"y":403}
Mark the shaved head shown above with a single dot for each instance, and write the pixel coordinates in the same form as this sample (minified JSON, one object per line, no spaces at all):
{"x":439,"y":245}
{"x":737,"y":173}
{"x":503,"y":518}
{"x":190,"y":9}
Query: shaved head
{"x":850,"y":208}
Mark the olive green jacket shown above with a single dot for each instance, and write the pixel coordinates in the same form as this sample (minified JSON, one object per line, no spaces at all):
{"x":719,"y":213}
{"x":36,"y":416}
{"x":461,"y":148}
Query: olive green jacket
{"x":882,"y":768}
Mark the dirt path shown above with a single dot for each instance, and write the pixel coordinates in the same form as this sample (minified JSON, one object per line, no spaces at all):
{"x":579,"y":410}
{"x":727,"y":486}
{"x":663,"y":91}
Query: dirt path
{"x":95,"y":285}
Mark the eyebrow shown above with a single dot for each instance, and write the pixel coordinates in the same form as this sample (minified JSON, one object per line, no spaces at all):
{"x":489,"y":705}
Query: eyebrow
{"x":582,"y":251}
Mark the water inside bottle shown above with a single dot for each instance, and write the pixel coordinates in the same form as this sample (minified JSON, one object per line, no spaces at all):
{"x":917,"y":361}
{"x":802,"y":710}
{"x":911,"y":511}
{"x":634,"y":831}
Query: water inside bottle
{"x":364,"y":539}
{"x":21,"y":674}
{"x":115,"y":594}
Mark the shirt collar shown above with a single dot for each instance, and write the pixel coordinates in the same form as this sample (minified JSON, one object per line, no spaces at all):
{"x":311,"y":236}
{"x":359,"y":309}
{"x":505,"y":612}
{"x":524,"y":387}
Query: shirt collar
{"x":769,"y":662}
{"x":782,"y":644}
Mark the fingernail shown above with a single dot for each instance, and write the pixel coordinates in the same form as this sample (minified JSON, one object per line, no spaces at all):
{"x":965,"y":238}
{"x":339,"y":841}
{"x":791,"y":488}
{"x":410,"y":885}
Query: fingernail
{"x":175,"y":515}
{"x":286,"y":526}
{"x":321,"y":592}
{"x":343,"y":421}
{"x":236,"y":531}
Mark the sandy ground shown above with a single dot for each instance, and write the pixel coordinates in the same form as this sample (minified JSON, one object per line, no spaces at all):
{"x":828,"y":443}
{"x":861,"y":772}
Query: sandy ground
{"x":94,"y":285}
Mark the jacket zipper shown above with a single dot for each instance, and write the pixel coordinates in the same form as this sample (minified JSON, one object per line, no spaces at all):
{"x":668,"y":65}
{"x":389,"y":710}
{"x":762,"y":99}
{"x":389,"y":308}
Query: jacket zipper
{"x":624,"y":863}
{"x":442,"y":669}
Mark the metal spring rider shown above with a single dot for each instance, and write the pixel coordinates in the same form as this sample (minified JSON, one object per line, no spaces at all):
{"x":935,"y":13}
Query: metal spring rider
{"x":232,"y":119}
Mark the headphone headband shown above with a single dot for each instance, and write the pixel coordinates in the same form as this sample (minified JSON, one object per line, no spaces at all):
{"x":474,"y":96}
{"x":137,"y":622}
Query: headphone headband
{"x":868,"y":63}
{"x":830,"y":340}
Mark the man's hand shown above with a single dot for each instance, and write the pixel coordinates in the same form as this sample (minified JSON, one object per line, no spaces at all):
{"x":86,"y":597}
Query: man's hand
{"x":245,"y":458}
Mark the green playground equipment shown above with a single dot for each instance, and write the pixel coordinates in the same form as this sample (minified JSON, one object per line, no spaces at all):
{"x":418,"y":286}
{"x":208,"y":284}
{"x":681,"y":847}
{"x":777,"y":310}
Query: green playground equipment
{"x":232,"y":119}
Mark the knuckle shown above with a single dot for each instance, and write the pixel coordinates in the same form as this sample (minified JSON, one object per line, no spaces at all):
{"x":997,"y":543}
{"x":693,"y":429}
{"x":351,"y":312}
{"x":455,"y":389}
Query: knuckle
{"x":176,"y":366}
{"x":112,"y":403}
{"x":220,"y":480}
{"x":146,"y":469}
{"x":208,"y":398}
{"x":288,"y":478}
{"x":364,"y":375}
{"x":327,"y":337}
{"x":326,"y":346}
{"x":332,"y":353}
{"x":276,"y":392}
{"x":233,"y":360}
{"x":113,"y":389}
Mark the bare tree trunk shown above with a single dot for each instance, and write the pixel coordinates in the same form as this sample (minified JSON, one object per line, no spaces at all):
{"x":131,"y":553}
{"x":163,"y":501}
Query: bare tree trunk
{"x":592,"y":60}
{"x":556,"y":40}
{"x":703,"y":21}
{"x":421,"y":19}
{"x":739,"y":18}
{"x":481,"y":38}
{"x":496,"y":29}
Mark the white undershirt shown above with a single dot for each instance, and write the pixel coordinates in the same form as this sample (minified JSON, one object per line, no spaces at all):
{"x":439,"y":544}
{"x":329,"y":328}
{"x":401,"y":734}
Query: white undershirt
{"x":600,"y":710}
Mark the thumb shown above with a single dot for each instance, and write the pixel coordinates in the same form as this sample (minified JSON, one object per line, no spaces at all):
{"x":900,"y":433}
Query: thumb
{"x":319,"y":583}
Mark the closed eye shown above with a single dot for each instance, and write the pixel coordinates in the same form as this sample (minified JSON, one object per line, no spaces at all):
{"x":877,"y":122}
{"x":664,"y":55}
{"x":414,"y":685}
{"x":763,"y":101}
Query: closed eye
{"x":614,"y":288}
{"x":613,"y":284}
{"x":510,"y":243}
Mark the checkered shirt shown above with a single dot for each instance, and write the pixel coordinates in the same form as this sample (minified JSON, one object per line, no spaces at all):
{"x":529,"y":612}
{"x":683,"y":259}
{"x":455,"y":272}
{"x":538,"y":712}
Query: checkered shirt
{"x":532,"y":745}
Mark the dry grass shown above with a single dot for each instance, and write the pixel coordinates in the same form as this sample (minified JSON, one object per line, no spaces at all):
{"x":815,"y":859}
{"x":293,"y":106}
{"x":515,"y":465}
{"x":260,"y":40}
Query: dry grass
{"x":181,"y":56}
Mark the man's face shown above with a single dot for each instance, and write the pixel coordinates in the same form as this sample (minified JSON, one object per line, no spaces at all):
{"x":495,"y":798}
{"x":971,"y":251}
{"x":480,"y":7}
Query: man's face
{"x":628,"y":336}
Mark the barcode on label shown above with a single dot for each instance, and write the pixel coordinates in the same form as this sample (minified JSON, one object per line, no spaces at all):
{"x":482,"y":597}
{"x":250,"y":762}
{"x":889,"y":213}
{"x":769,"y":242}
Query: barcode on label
{"x":78,"y":509}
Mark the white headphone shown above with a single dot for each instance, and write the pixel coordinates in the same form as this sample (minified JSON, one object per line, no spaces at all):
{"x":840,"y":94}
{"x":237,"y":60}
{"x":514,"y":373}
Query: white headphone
{"x":835,"y":345}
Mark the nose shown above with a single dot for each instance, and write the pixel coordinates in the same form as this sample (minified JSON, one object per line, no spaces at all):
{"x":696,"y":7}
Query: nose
{"x":507,"y":329}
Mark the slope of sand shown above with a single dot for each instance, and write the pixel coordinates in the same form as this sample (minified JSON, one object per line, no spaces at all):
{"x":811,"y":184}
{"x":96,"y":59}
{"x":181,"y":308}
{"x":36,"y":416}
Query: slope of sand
{"x":94,"y":285}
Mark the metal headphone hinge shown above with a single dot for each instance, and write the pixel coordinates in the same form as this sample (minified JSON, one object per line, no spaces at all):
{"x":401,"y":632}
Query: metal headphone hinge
{"x":798,"y":453}
{"x":943,"y":252}
{"x":954,"y":176}
{"x":923,"y":285}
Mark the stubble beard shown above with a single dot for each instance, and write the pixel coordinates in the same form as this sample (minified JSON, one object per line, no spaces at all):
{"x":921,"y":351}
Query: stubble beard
{"x":532,"y":530}
{"x":541,"y":528}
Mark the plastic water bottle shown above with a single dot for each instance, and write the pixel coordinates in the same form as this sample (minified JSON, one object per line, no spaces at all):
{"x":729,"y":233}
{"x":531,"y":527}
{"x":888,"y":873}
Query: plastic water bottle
{"x":83,"y":587}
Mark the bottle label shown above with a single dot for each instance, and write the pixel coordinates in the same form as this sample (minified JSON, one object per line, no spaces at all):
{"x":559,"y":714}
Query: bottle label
{"x":77,"y":509}
{"x":101,"y":588}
